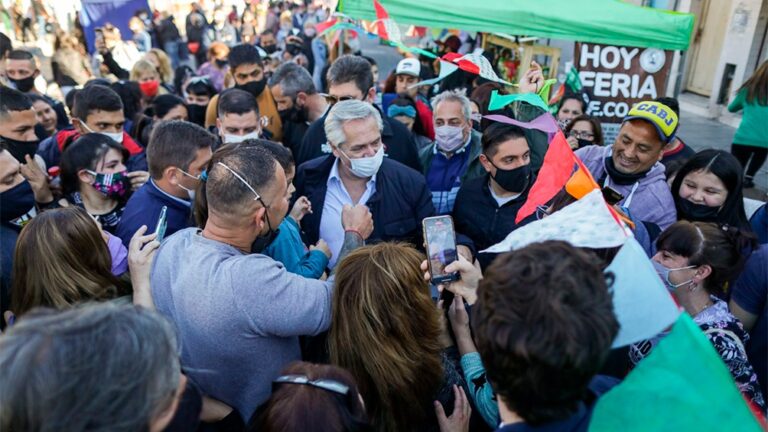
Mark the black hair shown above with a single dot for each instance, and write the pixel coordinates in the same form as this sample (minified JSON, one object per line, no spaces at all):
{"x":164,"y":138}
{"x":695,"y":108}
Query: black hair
{"x":349,"y":68}
{"x":370,"y":60}
{"x":69,"y":99}
{"x":728,"y":169}
{"x":243,"y":54}
{"x":130,"y":94}
{"x":671,"y":103}
{"x":175,"y":143}
{"x":573,"y":96}
{"x":267,"y":32}
{"x":96,"y":98}
{"x":5,"y":45}
{"x":497,"y":133}
{"x":671,"y":168}
{"x":84,"y":153}
{"x":236,"y":101}
{"x":180,"y":76}
{"x":20,"y":54}
{"x":280,"y":152}
{"x":162,"y":104}
{"x":598,"y":129}
{"x":201,"y":87}
{"x":13,"y":100}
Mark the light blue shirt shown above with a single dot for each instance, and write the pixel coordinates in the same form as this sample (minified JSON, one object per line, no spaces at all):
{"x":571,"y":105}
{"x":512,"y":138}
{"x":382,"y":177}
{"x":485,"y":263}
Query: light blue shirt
{"x":336,"y":197}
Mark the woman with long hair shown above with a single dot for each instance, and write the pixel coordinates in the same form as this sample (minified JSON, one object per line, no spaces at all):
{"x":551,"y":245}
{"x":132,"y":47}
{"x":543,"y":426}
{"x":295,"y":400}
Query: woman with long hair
{"x":750,"y":145}
{"x":385,"y":330}
{"x":695,"y":260}
{"x":61,"y":259}
{"x":94,"y":177}
{"x":708,"y":188}
{"x":584,"y":130}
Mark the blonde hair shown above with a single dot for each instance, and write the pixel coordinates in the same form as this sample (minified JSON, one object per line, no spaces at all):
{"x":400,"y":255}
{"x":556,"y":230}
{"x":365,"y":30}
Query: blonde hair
{"x":166,"y":71}
{"x":61,"y":259}
{"x":757,"y":86}
{"x":143,"y":66}
{"x":384,"y":330}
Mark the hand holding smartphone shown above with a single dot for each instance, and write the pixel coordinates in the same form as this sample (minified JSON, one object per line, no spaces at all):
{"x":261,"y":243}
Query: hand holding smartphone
{"x":162,"y":224}
{"x":440,"y":241}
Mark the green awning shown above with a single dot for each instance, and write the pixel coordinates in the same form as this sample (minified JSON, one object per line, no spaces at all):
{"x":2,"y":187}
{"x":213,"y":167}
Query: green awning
{"x":610,"y":22}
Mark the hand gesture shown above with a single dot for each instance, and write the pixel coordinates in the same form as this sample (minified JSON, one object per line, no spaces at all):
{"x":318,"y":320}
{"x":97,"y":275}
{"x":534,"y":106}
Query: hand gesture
{"x":141,"y":253}
{"x":532,"y":80}
{"x":301,"y":208}
{"x":573,"y":142}
{"x":323,"y":247}
{"x":38,"y":180}
{"x":357,"y":218}
{"x":138,"y":178}
{"x":458,"y":316}
{"x":459,"y":419}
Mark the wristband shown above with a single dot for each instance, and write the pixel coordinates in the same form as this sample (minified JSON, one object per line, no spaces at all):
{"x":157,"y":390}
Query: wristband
{"x":356,"y":232}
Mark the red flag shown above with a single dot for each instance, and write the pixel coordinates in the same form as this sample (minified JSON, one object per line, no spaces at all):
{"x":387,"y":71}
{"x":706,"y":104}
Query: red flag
{"x":381,"y":15}
{"x":554,"y":174}
{"x":321,"y":27}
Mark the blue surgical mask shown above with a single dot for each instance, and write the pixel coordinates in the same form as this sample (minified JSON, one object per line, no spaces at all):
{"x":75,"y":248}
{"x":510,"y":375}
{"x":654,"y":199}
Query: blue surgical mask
{"x":664,"y":272}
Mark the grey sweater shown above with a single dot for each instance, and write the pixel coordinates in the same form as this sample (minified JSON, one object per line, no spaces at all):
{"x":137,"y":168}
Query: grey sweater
{"x":238,"y":316}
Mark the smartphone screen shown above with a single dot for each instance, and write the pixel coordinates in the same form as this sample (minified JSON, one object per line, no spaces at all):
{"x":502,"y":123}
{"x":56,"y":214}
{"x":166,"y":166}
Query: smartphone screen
{"x":162,"y":224}
{"x":440,"y":239}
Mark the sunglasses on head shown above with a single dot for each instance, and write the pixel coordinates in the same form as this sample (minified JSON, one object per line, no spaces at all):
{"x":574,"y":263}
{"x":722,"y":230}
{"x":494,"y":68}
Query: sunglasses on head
{"x":325,"y":384}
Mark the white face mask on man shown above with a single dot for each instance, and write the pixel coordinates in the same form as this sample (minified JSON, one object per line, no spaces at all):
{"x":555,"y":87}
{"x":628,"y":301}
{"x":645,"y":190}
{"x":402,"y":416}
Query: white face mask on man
{"x":366,"y":167}
{"x":234,"y":139}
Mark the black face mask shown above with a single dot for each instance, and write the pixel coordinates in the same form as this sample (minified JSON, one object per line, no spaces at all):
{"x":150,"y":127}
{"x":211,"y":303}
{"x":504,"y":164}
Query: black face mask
{"x":18,"y":149}
{"x":294,"y":115}
{"x":254,"y":87}
{"x":476,"y":126}
{"x":619,"y":177}
{"x":696,"y":212}
{"x":269,"y":49}
{"x":293,"y":50}
{"x":24,"y":85}
{"x":221,"y":63}
{"x":262,"y":242}
{"x":514,"y":180}
{"x":16,"y":202}
{"x":197,"y":114}
{"x":584,"y":143}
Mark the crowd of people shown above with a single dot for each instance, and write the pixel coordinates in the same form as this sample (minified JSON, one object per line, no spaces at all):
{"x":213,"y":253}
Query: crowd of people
{"x":224,"y":233}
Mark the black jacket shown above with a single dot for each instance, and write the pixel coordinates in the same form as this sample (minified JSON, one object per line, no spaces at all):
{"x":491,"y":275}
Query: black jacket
{"x":398,"y":143}
{"x":402,"y":199}
{"x":477,"y":215}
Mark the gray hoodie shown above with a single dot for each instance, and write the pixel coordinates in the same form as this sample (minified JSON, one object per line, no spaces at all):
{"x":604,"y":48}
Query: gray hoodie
{"x":651,"y":200}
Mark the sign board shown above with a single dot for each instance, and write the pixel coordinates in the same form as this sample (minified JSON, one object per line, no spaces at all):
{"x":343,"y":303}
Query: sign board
{"x":617,"y":77}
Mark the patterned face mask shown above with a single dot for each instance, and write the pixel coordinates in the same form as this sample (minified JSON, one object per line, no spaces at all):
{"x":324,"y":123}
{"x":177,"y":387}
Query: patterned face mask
{"x":114,"y":185}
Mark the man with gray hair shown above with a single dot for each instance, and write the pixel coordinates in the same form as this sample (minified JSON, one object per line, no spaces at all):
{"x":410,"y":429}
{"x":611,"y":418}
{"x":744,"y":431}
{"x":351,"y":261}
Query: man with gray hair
{"x":95,"y":367}
{"x":239,"y":313}
{"x":350,"y":78}
{"x":298,"y":102}
{"x":454,"y":157}
{"x":357,"y":173}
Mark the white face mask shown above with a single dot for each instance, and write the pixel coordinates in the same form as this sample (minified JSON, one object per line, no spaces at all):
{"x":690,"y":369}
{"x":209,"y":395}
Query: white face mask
{"x":366,"y":166}
{"x":449,"y":138}
{"x":234,"y":139}
{"x":117,"y":136}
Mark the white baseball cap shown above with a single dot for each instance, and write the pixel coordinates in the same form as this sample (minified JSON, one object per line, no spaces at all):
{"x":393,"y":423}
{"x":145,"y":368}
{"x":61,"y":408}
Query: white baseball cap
{"x":408,"y":66}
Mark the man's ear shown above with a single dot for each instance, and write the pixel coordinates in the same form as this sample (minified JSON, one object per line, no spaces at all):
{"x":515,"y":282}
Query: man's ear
{"x":171,"y":174}
{"x":371,"y":96}
{"x":485,"y":162}
{"x":301,"y":100}
{"x":78,"y":125}
{"x":260,"y":218}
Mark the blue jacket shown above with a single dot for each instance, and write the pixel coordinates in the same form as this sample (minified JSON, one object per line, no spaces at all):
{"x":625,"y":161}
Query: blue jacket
{"x":143,"y":208}
{"x":402,"y":199}
{"x":288,"y":249}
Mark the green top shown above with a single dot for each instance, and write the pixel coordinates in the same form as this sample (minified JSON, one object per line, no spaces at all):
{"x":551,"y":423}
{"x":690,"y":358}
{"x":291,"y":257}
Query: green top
{"x":752,"y":130}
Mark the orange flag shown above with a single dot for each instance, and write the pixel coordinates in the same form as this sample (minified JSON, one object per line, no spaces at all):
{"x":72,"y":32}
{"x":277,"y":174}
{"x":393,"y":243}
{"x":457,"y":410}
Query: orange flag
{"x":553,"y":176}
{"x":581,"y":182}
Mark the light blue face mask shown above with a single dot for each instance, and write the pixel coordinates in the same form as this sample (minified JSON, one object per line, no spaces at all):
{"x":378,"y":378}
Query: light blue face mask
{"x":664,"y":275}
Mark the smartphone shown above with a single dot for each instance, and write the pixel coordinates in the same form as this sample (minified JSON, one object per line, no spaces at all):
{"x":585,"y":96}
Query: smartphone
{"x":612,"y":197}
{"x":440,"y":240}
{"x":162,"y":224}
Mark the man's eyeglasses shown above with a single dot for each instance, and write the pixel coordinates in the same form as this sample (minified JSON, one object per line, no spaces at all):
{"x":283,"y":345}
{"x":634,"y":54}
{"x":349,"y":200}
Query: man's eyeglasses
{"x":589,"y":136}
{"x":325,"y":384}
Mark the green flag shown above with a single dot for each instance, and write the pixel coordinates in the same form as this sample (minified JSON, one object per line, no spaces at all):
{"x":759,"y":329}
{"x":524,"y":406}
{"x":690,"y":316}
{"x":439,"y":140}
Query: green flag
{"x":683,"y":385}
{"x":572,"y":80}
{"x":500,"y":101}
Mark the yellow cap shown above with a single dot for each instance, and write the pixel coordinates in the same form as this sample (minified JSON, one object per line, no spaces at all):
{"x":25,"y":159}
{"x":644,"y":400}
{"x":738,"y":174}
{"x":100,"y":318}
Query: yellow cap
{"x":659,"y":115}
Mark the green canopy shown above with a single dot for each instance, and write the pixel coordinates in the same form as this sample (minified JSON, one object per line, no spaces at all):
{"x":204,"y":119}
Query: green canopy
{"x":610,"y":22}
